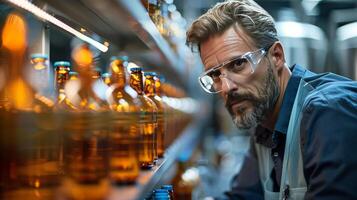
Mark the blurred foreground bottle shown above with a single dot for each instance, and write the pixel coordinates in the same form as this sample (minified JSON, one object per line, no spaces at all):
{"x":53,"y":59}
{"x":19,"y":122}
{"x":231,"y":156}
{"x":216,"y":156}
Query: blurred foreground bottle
{"x":86,"y":133}
{"x":123,"y":161}
{"x":150,"y":91}
{"x":184,"y":182}
{"x":29,"y":143}
{"x":147,"y":122}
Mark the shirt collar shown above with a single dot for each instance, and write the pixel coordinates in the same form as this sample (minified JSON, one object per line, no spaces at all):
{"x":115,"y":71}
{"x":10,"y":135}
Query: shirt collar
{"x":281,"y":125}
{"x":269,"y":138}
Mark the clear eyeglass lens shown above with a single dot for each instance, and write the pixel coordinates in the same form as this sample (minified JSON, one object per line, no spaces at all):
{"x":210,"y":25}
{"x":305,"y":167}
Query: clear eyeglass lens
{"x":243,"y":65}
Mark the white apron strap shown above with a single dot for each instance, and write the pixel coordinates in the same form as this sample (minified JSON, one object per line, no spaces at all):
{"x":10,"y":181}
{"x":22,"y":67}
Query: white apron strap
{"x":293,"y":183}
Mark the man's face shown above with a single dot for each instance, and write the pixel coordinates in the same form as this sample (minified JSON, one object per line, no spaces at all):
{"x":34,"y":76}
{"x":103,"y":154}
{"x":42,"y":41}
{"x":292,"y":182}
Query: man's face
{"x":248,"y":99}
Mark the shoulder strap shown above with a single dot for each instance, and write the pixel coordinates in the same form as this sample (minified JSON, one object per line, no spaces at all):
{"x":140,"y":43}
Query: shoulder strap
{"x":292,"y":174}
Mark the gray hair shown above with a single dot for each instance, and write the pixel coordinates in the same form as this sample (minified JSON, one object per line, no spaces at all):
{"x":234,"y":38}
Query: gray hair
{"x":247,"y":14}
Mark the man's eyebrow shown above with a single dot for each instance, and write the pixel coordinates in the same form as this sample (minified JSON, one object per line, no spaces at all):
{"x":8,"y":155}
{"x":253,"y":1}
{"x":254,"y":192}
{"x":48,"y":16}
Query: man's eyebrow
{"x":224,"y":62}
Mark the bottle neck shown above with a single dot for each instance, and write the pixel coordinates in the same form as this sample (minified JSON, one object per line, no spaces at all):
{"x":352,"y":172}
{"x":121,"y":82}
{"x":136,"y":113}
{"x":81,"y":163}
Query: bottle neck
{"x":61,"y":77}
{"x":136,"y":82}
{"x":149,"y":86}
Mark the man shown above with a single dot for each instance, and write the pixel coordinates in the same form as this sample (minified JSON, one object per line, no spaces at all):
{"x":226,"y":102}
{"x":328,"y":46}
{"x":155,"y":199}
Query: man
{"x":305,"y":124}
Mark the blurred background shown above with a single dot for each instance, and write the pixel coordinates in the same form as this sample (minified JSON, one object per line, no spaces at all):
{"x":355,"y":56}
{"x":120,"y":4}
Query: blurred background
{"x":208,"y":150}
{"x":318,"y":34}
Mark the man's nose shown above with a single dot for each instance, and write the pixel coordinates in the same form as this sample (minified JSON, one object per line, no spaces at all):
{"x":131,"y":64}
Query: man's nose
{"x":227,"y":83}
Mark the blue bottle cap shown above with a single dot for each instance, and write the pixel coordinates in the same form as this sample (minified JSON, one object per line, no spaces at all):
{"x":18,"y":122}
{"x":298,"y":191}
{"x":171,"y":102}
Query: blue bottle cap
{"x":62,"y":63}
{"x":160,"y":191}
{"x":106,"y":74}
{"x":136,"y":69}
{"x":97,"y":69}
{"x":161,"y":196}
{"x":167,"y":187}
{"x":149,"y":74}
{"x":73,"y":73}
{"x":39,"y":55}
{"x":113,"y":58}
{"x":160,"y":77}
{"x":123,"y":58}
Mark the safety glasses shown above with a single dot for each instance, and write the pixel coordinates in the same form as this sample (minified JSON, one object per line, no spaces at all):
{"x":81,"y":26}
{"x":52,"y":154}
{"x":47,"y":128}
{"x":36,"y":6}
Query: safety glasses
{"x":241,"y":66}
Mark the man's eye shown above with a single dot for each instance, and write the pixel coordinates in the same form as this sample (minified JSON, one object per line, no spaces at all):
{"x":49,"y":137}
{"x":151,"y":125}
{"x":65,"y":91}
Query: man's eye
{"x":214,"y":74}
{"x":237,"y":65}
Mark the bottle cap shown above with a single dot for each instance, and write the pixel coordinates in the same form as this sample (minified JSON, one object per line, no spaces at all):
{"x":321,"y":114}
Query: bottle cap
{"x":73,"y":73}
{"x":62,"y":63}
{"x":136,"y":69}
{"x":39,"y":55}
{"x":97,"y":69}
{"x":106,"y":75}
{"x":150,"y":74}
{"x":123,"y":58}
{"x":158,"y":191}
{"x":167,"y":187}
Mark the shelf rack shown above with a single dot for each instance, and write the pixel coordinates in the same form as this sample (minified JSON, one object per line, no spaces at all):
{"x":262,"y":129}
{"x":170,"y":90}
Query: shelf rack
{"x":128,"y":26}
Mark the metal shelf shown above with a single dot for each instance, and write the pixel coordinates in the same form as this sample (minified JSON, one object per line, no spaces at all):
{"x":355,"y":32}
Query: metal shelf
{"x":151,"y":35}
{"x":127,"y":25}
{"x":147,"y":180}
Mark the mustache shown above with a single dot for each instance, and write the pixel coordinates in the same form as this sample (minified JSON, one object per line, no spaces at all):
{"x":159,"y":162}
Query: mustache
{"x":235,"y":97}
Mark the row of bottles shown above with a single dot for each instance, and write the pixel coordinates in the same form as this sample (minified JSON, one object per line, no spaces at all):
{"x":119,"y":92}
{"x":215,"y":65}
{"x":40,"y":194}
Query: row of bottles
{"x":98,"y":130}
{"x":167,"y":19}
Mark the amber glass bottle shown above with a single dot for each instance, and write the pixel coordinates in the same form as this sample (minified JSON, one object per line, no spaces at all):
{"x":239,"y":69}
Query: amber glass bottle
{"x":62,"y":69}
{"x":153,"y":8}
{"x":29,"y":149}
{"x":150,"y":91}
{"x":147,"y":121}
{"x":168,"y":114}
{"x":86,"y":140}
{"x":183,"y":187}
{"x":123,"y":160}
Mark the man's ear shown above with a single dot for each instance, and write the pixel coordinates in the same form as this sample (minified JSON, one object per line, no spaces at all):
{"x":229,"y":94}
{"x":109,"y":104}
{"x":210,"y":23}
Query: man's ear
{"x":276,"y":52}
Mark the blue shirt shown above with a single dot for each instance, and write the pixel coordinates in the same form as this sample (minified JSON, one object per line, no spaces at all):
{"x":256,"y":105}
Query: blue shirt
{"x":328,"y":140}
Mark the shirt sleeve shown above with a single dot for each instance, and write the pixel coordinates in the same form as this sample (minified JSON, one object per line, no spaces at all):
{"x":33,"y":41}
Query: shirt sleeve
{"x":246,"y":184}
{"x":329,"y":147}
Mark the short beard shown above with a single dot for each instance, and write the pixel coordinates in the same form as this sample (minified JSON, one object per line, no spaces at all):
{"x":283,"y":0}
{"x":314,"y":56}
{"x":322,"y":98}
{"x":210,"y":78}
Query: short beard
{"x":262,"y":103}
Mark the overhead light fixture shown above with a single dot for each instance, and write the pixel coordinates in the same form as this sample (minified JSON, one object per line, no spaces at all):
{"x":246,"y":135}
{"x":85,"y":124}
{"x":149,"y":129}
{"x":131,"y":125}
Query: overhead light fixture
{"x":47,"y":17}
{"x":347,"y":31}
